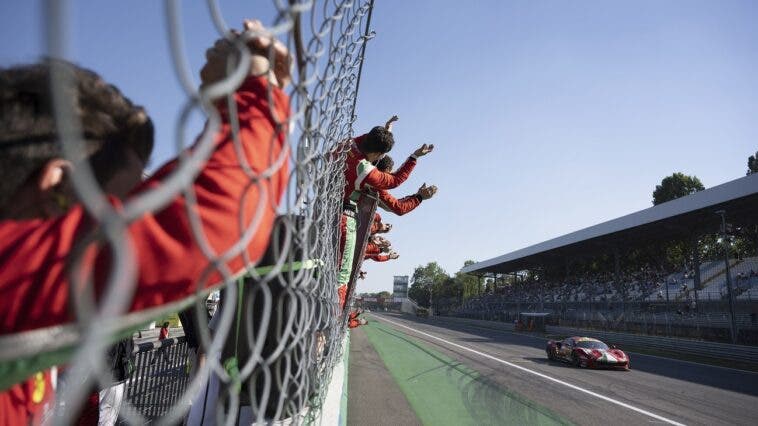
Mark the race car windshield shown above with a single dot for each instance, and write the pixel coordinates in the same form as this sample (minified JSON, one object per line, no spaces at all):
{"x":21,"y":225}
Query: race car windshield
{"x":590,"y":344}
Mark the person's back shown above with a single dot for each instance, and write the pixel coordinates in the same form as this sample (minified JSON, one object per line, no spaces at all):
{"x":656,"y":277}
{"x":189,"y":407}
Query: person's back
{"x":164,"y":332}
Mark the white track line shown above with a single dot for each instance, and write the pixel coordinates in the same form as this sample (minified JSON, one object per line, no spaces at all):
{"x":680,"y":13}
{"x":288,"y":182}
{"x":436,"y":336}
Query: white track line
{"x":544,"y":376}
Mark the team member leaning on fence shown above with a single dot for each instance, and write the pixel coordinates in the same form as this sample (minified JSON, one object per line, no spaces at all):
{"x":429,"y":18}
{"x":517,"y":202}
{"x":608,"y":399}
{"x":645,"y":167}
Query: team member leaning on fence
{"x":169,"y":263}
{"x":405,"y":204}
{"x":377,"y":227}
{"x":354,"y":321}
{"x":361,"y":174}
{"x":383,"y":257}
{"x":378,"y":248}
{"x":35,"y":188}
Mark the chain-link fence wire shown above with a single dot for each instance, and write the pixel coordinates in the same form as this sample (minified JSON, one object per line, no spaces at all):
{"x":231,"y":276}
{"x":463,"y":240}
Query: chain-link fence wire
{"x":282,"y":311}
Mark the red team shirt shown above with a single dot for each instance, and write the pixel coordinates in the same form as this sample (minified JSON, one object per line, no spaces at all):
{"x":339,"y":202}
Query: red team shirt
{"x":399,"y":207}
{"x":170,"y":265}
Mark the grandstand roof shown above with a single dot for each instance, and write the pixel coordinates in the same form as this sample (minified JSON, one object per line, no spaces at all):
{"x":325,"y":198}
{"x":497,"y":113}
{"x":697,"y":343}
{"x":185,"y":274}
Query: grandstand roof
{"x":683,"y":217}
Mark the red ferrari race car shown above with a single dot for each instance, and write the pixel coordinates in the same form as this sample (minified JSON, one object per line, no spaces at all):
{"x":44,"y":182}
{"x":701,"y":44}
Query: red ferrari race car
{"x":586,"y":352}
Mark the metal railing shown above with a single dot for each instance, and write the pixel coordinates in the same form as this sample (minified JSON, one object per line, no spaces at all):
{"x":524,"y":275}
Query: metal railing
{"x":159,"y":377}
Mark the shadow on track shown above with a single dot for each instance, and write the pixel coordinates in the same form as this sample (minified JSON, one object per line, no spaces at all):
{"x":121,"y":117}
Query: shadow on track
{"x":723,"y":378}
{"x":486,"y":402}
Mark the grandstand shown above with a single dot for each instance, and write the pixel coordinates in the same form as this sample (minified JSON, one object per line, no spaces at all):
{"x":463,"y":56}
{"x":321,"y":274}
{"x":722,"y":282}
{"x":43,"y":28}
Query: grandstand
{"x":690,"y":300}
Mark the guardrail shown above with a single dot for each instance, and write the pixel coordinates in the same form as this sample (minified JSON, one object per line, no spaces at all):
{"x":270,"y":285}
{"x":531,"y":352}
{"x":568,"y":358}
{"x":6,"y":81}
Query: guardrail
{"x":160,"y":376}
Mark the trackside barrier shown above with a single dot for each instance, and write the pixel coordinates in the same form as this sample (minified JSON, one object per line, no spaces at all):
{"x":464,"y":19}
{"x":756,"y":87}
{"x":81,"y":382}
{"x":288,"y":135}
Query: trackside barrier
{"x":743,"y":354}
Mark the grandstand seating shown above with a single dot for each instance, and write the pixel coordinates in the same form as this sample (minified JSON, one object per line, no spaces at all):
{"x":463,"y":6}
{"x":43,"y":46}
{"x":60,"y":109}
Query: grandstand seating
{"x":643,"y":287}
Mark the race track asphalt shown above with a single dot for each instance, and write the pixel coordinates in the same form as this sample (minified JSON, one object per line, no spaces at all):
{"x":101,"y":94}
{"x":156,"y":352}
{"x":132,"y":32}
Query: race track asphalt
{"x":656,"y":391}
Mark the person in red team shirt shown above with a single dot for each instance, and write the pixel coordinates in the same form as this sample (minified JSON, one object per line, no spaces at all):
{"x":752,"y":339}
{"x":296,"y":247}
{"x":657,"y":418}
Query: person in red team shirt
{"x":383,"y":257}
{"x":405,"y":204}
{"x":163,"y":335}
{"x":361,"y":174}
{"x":36,"y":240}
{"x":117,"y":161}
{"x":377,"y":227}
{"x":354,"y":321}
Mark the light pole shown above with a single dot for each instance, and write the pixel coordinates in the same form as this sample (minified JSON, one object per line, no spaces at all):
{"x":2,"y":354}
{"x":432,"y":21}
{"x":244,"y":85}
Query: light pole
{"x":730,"y":294}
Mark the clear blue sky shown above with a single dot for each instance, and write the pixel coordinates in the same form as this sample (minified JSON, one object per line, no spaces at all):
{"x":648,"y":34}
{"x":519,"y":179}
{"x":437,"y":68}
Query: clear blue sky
{"x":548,"y":116}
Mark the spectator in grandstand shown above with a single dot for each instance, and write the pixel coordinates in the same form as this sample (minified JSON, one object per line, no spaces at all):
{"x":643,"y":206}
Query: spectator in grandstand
{"x":405,"y":204}
{"x":169,"y":262}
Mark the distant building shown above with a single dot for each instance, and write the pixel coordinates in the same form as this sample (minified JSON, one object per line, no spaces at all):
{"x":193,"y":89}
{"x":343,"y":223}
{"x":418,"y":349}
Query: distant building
{"x":400,"y":288}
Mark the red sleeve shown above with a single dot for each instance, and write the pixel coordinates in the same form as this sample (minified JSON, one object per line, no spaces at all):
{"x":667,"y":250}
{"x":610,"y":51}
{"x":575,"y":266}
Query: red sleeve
{"x":170,"y":264}
{"x":376,"y":225}
{"x":353,"y":323}
{"x":381,"y":180}
{"x":401,"y":206}
{"x":378,"y":257}
{"x":372,"y":248}
{"x":342,"y":294}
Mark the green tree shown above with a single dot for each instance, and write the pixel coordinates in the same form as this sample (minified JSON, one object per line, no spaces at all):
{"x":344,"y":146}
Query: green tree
{"x":426,"y":280}
{"x":752,"y":164}
{"x":675,"y":186}
{"x":468,"y":283}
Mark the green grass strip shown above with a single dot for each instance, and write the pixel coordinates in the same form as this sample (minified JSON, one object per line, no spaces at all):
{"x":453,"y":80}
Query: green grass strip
{"x":443,"y":391}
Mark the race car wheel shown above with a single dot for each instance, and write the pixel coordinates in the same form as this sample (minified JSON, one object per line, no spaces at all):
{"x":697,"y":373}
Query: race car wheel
{"x":575,"y":361}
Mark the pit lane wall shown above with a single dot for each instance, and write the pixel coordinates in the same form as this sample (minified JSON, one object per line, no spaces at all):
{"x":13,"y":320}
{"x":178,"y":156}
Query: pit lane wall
{"x":334,"y":410}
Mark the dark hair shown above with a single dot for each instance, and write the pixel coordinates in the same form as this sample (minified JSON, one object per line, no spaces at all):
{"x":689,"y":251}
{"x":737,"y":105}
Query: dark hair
{"x":378,"y":140}
{"x":385,"y":164}
{"x":110,"y":123}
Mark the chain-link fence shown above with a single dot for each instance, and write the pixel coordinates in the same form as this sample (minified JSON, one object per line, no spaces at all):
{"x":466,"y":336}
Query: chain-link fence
{"x":271,"y":346}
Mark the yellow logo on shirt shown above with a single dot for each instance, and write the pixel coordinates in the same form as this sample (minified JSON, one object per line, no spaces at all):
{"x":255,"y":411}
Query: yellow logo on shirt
{"x":39,"y":388}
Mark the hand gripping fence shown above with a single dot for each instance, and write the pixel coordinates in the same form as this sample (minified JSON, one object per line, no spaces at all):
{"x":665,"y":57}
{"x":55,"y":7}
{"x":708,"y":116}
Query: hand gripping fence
{"x":278,"y":332}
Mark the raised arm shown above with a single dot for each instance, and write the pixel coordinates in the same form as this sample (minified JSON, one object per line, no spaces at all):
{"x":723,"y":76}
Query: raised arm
{"x":169,"y":262}
{"x":378,"y":179}
{"x":405,"y":204}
